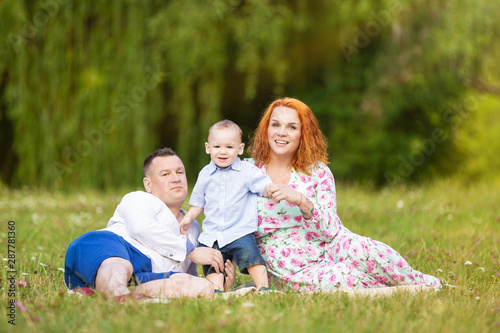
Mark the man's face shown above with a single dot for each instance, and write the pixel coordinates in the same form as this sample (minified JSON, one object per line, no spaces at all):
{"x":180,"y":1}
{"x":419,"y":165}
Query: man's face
{"x":166,"y":179}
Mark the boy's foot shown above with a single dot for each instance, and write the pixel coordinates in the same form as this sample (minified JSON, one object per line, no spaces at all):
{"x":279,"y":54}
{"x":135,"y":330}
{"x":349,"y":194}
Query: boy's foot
{"x":132,"y":296}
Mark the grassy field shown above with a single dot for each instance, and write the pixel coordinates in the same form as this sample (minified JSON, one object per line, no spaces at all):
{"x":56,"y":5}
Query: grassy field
{"x":445,"y":229}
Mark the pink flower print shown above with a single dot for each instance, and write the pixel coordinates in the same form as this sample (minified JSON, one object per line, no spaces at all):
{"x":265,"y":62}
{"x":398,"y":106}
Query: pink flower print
{"x":321,"y":275}
{"x":297,"y":239}
{"x":272,"y":221}
{"x":321,"y":173}
{"x":309,"y":192}
{"x":382,"y":279}
{"x":281,"y":264}
{"x":293,"y":186}
{"x":286,"y":251}
{"x":298,"y":252}
{"x":323,"y":198}
{"x":308,"y":237}
{"x":346,"y":244}
{"x":317,"y":225}
{"x":270,"y":205}
{"x":275,"y":236}
{"x":268,"y":230}
{"x":351,"y":279}
{"x":355,"y":264}
{"x":389,"y":251}
{"x":325,"y":185}
{"x":269,"y":263}
{"x":411,"y":277}
{"x":332,"y":279}
{"x":297,"y":263}
{"x":329,"y":252}
{"x":390,"y":268}
{"x":262,"y":250}
{"x":401,"y":263}
{"x":271,"y":252}
{"x":341,"y":259}
{"x":296,"y":286}
{"x":327,"y":233}
{"x":257,"y":235}
{"x":306,"y":225}
{"x":305,"y":179}
{"x":316,"y":214}
{"x":370,"y":264}
{"x":381,"y":255}
{"x":365,"y":247}
{"x":306,"y":277}
{"x":322,"y":245}
{"x":298,"y":218}
{"x":397,"y":278}
{"x":310,"y":250}
{"x":259,"y":220}
{"x":289,"y":204}
{"x":315,"y":234}
{"x":356,"y":251}
{"x":337,"y":248}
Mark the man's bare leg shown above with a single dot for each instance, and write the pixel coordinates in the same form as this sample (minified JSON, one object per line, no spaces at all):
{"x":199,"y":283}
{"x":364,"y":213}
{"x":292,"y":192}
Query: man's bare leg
{"x":177,"y":285}
{"x":259,"y":275}
{"x":113,"y":276}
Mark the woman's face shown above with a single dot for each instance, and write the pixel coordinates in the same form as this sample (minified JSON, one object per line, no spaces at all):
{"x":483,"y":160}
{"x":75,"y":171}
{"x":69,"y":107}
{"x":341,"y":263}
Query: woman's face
{"x":283,"y":133}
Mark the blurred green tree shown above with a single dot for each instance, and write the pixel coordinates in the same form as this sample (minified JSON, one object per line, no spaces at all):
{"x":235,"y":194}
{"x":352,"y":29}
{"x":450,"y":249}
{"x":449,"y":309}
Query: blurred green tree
{"x":88,"y":89}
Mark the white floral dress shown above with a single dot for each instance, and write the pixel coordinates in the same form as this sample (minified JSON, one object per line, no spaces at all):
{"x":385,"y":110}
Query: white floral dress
{"x":320,"y":253}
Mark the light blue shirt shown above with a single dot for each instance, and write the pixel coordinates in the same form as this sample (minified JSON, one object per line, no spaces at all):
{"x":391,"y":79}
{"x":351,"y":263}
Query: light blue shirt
{"x":229,"y":199}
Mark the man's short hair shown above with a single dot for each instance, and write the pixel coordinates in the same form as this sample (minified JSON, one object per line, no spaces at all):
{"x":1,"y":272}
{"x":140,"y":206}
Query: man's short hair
{"x":158,"y":152}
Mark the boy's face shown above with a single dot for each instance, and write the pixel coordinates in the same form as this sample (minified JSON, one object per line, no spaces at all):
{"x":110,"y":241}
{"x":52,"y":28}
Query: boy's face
{"x":224,"y":145}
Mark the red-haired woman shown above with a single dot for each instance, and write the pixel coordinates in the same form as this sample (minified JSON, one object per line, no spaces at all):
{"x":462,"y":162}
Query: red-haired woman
{"x":302,"y":239}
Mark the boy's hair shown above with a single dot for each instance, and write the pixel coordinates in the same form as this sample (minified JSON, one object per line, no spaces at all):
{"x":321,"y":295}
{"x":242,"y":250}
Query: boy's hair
{"x":223,"y":124}
{"x":158,"y":152}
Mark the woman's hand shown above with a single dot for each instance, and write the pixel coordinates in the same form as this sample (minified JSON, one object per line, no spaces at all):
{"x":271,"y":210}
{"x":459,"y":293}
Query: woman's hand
{"x":278,"y":192}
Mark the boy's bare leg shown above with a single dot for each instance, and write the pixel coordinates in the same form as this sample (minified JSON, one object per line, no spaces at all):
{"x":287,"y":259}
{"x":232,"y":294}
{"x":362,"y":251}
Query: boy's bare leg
{"x":259,"y":275}
{"x":177,"y":285}
{"x":112,"y":277}
{"x":217,"y":279}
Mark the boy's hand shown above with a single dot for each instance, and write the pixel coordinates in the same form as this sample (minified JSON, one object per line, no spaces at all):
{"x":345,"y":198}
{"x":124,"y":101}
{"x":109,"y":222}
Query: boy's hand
{"x":185,"y":224}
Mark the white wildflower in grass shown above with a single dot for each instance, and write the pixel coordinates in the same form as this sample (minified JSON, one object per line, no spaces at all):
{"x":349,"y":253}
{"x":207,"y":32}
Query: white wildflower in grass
{"x":42,"y":264}
{"x":400,"y":204}
{"x":481,"y":269}
{"x":468,"y":263}
{"x":159,"y":323}
{"x":248,"y":305}
{"x":24,"y":274}
{"x":60,"y":269}
{"x":439,"y":270}
{"x":5,"y":259}
{"x":477,"y":297}
{"x":228,"y":311}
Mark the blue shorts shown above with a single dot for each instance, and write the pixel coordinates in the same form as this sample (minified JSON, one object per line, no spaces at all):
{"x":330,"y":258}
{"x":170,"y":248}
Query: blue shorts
{"x":244,"y":251}
{"x":86,"y":253}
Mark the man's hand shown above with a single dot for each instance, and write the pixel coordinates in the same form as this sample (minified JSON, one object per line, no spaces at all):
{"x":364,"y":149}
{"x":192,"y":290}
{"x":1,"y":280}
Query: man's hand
{"x":207,"y":256}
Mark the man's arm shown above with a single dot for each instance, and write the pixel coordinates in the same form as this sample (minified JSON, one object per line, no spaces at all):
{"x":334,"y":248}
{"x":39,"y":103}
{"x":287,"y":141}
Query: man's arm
{"x":190,"y":216}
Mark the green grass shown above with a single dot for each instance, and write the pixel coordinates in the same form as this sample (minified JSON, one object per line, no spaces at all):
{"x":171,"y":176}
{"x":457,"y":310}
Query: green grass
{"x":437,"y":227}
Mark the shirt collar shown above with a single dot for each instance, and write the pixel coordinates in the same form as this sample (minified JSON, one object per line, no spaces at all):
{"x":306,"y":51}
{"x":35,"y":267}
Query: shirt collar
{"x":235,"y":166}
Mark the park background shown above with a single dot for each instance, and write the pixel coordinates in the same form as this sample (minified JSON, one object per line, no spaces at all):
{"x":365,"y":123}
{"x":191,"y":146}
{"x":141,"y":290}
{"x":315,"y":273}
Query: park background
{"x":405,"y":91}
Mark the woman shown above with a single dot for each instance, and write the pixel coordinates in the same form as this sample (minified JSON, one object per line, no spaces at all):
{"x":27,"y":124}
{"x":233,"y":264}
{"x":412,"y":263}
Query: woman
{"x":302,"y":239}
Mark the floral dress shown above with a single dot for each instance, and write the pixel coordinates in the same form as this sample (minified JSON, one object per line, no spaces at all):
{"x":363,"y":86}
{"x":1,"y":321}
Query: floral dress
{"x":320,"y":253}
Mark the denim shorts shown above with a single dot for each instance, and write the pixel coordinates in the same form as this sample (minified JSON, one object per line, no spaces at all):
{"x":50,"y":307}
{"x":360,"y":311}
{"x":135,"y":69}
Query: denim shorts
{"x":243,"y":251}
{"x":86,"y":254}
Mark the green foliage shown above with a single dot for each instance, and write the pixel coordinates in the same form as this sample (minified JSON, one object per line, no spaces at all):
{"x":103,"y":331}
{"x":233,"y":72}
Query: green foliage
{"x":88,"y":89}
{"x":438,"y":228}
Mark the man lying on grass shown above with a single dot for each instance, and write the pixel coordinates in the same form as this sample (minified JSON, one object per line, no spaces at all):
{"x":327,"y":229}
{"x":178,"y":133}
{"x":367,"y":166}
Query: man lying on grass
{"x":142,"y":244}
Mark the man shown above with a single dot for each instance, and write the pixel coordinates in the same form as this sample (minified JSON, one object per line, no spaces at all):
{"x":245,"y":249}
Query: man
{"x":142,"y":242}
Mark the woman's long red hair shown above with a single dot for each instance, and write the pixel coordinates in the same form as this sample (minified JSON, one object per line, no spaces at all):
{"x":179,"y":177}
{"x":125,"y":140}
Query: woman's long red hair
{"x":312,"y":147}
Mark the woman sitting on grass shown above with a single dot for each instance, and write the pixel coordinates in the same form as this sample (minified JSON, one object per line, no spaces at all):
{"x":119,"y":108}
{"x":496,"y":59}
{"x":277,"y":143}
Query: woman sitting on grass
{"x":303,"y":241}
